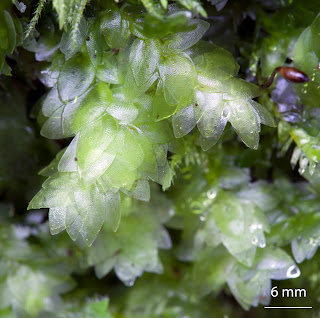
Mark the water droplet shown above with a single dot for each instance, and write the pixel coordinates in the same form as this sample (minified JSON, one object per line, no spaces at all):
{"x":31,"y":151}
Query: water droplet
{"x":202,"y":218}
{"x":252,"y":227}
{"x":211,"y":194}
{"x":254,"y":241}
{"x":302,"y":170}
{"x":293,"y":271}
{"x":171,"y":212}
{"x":262,"y":245}
{"x":129,"y":283}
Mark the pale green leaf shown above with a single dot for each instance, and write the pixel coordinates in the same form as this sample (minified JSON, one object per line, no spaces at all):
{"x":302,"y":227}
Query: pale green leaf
{"x":75,"y":77}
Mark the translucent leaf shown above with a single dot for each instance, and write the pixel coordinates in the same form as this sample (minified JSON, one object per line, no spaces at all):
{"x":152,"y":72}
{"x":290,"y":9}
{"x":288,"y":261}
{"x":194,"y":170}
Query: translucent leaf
{"x":161,"y":109}
{"x":49,"y":75}
{"x":240,"y":88}
{"x":113,"y":209}
{"x":132,"y":251}
{"x":159,"y":132}
{"x":161,"y":155}
{"x":56,"y":219}
{"x":233,"y":219}
{"x":207,"y":143}
{"x":68,"y":162}
{"x":78,"y":221}
{"x":114,"y":28}
{"x":61,"y":181}
{"x":141,"y":191}
{"x":94,"y":208}
{"x":52,"y":102}
{"x":304,"y":247}
{"x":86,"y":217}
{"x":278,"y":263}
{"x":92,"y":173}
{"x":183,"y":121}
{"x":265,"y":117}
{"x":53,"y":128}
{"x":127,"y":273}
{"x":94,"y":140}
{"x":245,"y":257}
{"x":175,"y":22}
{"x":92,"y":106}
{"x":179,"y":79}
{"x":304,"y":44}
{"x":212,"y":61}
{"x":131,"y":90}
{"x":94,"y":44}
{"x":75,"y":77}
{"x":120,"y":174}
{"x":244,"y":120}
{"x":107,"y":71}
{"x":260,"y":194}
{"x":165,"y":176}
{"x":124,"y":111}
{"x":149,"y":161}
{"x":144,"y":59}
{"x":208,"y":110}
{"x":103,"y":268}
{"x":144,"y":104}
{"x":41,"y":292}
{"x":249,"y":291}
{"x":129,"y":147}
{"x":69,"y":47}
{"x":53,"y":166}
{"x":122,"y":57}
{"x":184,"y":40}
{"x":52,"y":198}
{"x":229,"y":217}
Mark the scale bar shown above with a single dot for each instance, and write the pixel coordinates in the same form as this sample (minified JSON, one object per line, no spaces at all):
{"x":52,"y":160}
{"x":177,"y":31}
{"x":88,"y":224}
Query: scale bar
{"x":288,"y":307}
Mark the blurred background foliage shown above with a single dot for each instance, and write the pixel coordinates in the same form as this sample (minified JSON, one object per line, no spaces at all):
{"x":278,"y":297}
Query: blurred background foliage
{"x":235,"y":221}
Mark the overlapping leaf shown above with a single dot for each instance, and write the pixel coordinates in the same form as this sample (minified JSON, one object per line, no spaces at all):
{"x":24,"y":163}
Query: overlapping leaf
{"x":133,"y":250}
{"x":221,"y":98}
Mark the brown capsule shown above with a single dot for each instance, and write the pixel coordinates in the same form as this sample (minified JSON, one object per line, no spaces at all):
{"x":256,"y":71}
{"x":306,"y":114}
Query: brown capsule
{"x":292,"y":74}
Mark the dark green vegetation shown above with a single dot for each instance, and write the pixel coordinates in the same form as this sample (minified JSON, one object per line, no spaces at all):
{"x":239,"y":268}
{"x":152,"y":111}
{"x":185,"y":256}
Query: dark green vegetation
{"x":138,"y":97}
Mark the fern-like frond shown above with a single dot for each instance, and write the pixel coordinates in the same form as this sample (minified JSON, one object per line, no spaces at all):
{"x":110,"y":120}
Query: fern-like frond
{"x":62,"y":10}
{"x":35,"y":18}
{"x":77,"y":15}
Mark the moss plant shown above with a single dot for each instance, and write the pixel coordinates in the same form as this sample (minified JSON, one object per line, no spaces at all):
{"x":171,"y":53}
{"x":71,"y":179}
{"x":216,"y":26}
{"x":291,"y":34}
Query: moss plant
{"x":176,"y":183}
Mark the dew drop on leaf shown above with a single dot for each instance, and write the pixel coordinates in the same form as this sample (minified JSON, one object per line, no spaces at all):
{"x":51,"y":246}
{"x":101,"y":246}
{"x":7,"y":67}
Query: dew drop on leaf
{"x":293,"y":272}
